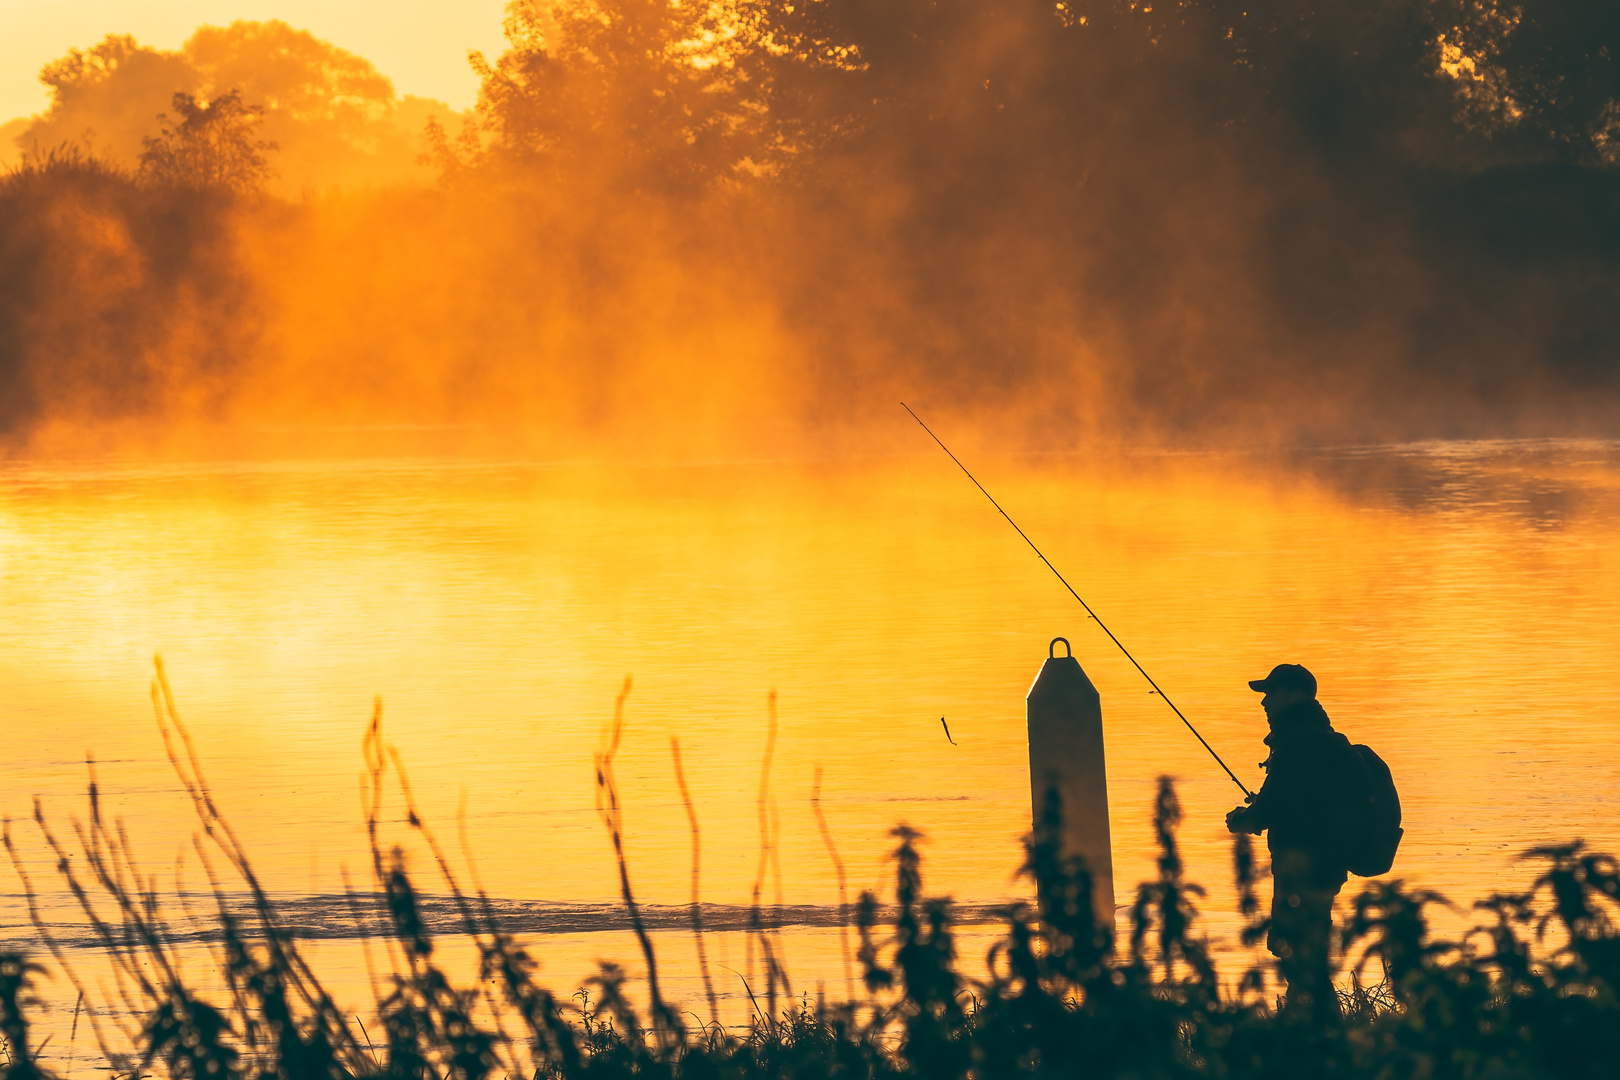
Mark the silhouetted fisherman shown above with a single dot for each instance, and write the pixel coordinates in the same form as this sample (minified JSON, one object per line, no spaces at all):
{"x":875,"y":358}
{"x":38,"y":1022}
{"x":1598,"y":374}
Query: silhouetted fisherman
{"x":1303,"y":807}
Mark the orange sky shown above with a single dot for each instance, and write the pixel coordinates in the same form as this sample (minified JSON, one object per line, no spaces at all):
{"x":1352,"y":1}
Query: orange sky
{"x":420,"y":44}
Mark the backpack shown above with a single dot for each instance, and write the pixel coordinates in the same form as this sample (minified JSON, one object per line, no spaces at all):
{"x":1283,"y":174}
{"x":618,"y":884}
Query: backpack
{"x":1375,"y":831}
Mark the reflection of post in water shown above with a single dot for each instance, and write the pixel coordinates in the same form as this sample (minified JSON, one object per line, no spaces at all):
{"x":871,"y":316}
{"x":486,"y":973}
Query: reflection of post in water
{"x":1066,"y":752}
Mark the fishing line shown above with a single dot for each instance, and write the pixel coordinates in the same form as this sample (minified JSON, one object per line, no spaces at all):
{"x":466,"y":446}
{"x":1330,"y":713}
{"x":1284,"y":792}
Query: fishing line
{"x":1089,"y":612}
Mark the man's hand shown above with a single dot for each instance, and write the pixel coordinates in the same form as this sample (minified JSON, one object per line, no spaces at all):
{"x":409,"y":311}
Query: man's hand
{"x":1235,"y":822}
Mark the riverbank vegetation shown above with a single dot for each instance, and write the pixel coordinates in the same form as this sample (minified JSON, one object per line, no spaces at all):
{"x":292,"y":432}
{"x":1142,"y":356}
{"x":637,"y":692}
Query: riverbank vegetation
{"x":1530,"y":994}
{"x":750,"y":222}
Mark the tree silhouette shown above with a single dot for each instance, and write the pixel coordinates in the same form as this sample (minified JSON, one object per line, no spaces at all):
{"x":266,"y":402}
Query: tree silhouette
{"x":213,"y":146}
{"x":651,"y":93}
{"x":1543,"y":75}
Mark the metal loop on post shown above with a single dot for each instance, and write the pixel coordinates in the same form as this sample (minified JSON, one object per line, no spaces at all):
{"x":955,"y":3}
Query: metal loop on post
{"x":1051,"y":650}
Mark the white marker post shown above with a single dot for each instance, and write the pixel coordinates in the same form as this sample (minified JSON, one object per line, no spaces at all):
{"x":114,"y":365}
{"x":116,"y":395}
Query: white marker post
{"x":1066,"y":751}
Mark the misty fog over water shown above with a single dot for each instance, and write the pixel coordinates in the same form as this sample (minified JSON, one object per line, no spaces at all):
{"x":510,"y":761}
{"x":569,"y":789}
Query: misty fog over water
{"x":753,"y":227}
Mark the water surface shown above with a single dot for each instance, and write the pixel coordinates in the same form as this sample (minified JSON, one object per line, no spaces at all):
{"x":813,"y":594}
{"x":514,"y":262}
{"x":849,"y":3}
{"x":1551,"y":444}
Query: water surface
{"x":1458,"y":602}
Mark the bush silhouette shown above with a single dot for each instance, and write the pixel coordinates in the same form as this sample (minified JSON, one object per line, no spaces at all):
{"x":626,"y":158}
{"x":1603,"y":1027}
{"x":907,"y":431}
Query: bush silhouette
{"x":1531,"y":995}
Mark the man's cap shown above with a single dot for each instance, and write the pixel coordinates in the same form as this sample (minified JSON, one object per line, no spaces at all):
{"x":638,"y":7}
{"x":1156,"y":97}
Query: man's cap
{"x":1286,"y":677}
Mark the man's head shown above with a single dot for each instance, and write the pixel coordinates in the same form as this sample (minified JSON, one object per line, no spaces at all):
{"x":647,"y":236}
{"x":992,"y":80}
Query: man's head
{"x":1288,"y":684}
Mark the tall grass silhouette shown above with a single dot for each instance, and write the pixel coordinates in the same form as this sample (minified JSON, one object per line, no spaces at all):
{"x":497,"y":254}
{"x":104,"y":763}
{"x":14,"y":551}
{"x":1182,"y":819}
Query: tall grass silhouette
{"x":1530,"y":993}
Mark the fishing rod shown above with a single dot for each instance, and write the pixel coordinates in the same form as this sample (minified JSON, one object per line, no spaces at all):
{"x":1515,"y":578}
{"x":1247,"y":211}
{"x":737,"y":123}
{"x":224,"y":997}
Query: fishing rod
{"x":1092,"y":614}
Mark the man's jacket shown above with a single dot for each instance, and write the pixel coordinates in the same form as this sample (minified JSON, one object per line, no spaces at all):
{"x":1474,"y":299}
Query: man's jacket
{"x":1305,"y":806}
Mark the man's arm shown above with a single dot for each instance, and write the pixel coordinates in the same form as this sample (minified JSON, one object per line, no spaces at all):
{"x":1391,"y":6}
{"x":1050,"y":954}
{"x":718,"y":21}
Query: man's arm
{"x":1256,"y":816}
{"x":1247,"y":819}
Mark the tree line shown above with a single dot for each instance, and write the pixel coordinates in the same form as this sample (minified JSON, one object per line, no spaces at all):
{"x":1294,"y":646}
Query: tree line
{"x":1201,"y":215}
